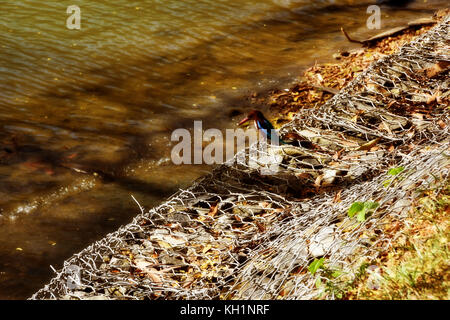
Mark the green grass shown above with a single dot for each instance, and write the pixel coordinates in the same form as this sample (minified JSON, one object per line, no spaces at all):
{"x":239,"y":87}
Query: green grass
{"x":417,"y":264}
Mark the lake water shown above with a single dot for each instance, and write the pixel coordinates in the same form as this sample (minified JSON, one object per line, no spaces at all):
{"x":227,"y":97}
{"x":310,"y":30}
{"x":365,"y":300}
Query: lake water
{"x":86,"y":115}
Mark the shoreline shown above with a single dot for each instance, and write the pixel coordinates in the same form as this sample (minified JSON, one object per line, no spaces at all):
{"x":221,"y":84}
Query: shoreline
{"x":162,"y":267}
{"x":333,"y":76}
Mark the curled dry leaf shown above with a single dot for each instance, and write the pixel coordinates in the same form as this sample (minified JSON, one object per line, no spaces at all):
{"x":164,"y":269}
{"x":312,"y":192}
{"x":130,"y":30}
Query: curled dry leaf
{"x":213,"y":210}
{"x":337,"y":197}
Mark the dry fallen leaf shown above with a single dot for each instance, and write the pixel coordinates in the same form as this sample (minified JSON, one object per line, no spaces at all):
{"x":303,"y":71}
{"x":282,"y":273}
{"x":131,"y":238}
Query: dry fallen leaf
{"x":417,"y":115}
{"x":384,"y":126}
{"x":441,"y":124}
{"x":142,"y":264}
{"x":337,"y":154}
{"x":368,"y":145}
{"x":264,"y":204}
{"x":164,"y":244}
{"x":318,"y":181}
{"x":303,"y":175}
{"x":390,"y":104}
{"x":337,"y":197}
{"x":237,"y":218}
{"x":435,"y":97}
{"x":437,"y":69}
{"x":206,"y":248}
{"x":319,"y":78}
{"x":213,"y":210}
{"x":168,"y":241}
{"x":153,"y":275}
{"x":260,"y":226}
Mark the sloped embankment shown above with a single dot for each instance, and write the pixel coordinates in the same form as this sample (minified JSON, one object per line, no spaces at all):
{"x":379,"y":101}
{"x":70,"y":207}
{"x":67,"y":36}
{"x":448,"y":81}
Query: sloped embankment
{"x":298,"y":231}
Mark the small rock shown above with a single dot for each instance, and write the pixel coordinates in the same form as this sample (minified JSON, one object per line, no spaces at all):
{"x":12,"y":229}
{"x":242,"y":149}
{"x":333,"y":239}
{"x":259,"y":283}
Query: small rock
{"x":401,"y":205}
{"x":328,"y":177}
{"x":322,"y":242}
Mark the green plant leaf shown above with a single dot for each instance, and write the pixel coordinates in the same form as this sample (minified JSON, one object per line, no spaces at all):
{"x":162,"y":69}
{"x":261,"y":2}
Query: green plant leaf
{"x":361,"y":215}
{"x":370,"y":205}
{"x":318,"y":283}
{"x":355,"y":208}
{"x":315,"y":265}
{"x":395,"y":171}
{"x":361,"y":209}
{"x":336,"y":273}
{"x":386,"y":183}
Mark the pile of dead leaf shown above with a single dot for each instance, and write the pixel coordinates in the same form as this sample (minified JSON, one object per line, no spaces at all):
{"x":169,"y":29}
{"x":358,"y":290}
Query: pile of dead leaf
{"x":322,"y":81}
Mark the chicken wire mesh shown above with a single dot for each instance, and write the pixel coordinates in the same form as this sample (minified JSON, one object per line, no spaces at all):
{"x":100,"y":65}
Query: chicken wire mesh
{"x":251,"y":229}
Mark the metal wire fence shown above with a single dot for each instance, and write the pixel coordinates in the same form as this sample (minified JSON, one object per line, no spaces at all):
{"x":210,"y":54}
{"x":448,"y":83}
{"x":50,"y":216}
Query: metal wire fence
{"x":247,"y":231}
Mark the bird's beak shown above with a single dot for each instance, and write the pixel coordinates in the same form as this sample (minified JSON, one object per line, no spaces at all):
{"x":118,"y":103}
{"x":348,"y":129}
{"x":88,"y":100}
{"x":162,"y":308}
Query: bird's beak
{"x":243,"y":121}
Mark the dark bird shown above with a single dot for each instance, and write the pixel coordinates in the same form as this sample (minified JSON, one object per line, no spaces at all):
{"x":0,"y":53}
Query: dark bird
{"x":263,"y":125}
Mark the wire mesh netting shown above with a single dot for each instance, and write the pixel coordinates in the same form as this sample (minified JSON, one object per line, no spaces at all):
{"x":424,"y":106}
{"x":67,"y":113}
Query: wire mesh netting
{"x":253,"y":228}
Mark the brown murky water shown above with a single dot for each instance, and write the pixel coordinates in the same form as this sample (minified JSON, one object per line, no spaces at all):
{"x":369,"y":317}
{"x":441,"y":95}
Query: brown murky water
{"x":86,"y":115}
